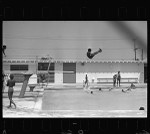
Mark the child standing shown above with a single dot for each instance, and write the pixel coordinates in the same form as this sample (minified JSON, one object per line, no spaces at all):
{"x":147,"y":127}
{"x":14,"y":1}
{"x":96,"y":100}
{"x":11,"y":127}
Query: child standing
{"x":11,"y":84}
{"x":114,"y":80}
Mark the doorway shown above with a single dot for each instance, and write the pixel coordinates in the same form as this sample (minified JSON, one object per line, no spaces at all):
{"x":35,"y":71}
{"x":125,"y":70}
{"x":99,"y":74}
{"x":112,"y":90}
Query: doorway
{"x":70,"y":75}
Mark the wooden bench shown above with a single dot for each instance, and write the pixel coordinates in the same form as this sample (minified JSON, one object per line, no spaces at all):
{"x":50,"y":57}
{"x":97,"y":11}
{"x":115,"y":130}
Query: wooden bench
{"x":125,"y":77}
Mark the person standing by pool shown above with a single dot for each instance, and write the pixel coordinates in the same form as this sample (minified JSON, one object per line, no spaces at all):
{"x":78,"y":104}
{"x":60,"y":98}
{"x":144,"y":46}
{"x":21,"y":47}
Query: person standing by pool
{"x":86,"y":81}
{"x":118,"y":79}
{"x":11,"y":84}
{"x":86,"y":85}
{"x":114,"y":80}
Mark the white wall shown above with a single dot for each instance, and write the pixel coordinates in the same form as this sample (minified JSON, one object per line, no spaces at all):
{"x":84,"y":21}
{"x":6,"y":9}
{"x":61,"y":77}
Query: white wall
{"x":94,"y":70}
{"x":97,"y":70}
{"x":58,"y":75}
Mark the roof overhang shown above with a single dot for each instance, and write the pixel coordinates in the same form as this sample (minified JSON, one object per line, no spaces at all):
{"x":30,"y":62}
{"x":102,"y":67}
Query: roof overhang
{"x":71,"y":61}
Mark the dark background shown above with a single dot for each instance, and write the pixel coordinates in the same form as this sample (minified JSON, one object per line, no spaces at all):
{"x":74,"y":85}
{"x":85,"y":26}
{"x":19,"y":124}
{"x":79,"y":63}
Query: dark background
{"x":74,"y":10}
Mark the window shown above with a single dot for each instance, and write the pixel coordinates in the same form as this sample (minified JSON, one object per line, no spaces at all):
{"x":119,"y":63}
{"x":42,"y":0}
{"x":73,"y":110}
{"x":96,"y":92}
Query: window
{"x":44,"y":66}
{"x":18,"y":67}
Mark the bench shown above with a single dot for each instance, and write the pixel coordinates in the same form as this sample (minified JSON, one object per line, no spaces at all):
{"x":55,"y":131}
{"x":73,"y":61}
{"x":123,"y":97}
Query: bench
{"x":125,"y":77}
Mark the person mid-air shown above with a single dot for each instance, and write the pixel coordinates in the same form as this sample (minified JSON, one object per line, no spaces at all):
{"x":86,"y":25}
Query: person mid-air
{"x":90,"y":55}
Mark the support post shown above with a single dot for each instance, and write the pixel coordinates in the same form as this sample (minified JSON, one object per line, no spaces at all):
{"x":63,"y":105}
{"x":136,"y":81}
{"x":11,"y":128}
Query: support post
{"x":24,"y":86}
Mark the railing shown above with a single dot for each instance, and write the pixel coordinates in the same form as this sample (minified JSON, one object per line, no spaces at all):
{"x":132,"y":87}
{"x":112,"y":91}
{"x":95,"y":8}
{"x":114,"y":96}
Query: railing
{"x":125,"y":77}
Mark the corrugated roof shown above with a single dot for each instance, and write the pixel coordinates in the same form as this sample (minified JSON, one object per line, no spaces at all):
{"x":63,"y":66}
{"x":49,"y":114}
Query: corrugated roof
{"x":72,"y":61}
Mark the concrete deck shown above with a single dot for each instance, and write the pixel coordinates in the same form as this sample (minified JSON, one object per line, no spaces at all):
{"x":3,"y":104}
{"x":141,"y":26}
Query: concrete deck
{"x":74,"y":102}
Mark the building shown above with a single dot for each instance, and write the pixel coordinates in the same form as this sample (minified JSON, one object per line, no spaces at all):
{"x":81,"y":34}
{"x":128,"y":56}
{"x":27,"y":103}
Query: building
{"x":124,"y":49}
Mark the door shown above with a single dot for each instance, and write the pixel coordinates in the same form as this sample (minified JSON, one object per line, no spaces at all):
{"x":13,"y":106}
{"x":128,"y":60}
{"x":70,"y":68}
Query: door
{"x":69,"y":74}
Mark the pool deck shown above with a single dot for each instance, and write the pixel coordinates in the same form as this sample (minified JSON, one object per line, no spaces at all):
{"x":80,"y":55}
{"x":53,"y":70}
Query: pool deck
{"x":50,"y":102}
